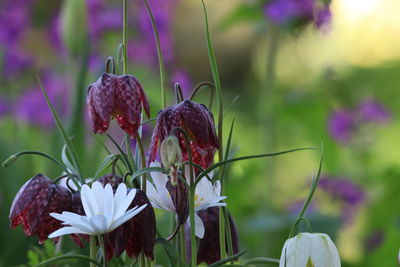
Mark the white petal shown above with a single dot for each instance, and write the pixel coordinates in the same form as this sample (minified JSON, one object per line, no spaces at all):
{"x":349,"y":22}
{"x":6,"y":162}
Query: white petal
{"x":199,"y":226}
{"x":127,"y":216}
{"x":108,"y":204}
{"x":87,"y":203}
{"x":99,"y":197}
{"x":98,"y":223}
{"x":66,"y":231}
{"x":119,"y":199}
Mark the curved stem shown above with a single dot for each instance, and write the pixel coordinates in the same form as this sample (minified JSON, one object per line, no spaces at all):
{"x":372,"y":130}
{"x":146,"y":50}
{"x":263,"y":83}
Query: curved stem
{"x":143,"y":161}
{"x":159,"y":53}
{"x":199,"y":87}
{"x":178,"y":93}
{"x":93,"y":249}
{"x":125,"y":37}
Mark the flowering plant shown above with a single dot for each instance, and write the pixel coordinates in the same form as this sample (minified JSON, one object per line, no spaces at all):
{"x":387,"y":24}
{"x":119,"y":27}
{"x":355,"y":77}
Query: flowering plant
{"x":115,"y":212}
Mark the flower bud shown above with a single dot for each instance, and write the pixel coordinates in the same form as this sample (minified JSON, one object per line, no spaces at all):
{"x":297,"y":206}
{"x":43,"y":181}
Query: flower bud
{"x":73,"y":25}
{"x":307,"y":249}
{"x":9,"y":161}
{"x":180,"y":196}
{"x":170,"y":151}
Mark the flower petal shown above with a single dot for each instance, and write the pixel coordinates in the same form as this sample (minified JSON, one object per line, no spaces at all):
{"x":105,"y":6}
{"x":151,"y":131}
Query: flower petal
{"x":66,"y":231}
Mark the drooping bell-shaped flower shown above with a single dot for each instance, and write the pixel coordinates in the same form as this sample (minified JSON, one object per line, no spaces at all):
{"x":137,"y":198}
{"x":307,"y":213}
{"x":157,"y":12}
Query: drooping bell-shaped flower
{"x":138,"y":233}
{"x":120,"y":97}
{"x":104,"y":211}
{"x":208,"y":248}
{"x":309,"y":249}
{"x":34,"y":202}
{"x":197,"y":121}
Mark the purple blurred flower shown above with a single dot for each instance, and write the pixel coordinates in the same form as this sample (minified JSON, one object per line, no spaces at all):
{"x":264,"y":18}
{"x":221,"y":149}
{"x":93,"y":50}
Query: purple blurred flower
{"x":342,"y":124}
{"x":323,"y":17}
{"x":374,"y":240}
{"x":372,"y":111}
{"x":102,"y":18}
{"x":182,"y":77}
{"x":4,"y":107}
{"x":32,"y":108}
{"x":282,"y":11}
{"x":350,"y":195}
{"x":15,"y":61}
{"x":14,"y":19}
{"x":342,"y":189}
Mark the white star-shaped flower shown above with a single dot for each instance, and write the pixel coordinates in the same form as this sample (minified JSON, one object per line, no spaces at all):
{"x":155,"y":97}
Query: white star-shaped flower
{"x":206,"y":195}
{"x":104,"y":210}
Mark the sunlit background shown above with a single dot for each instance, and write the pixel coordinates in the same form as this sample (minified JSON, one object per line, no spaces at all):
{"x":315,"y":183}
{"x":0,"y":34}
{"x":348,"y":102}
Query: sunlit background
{"x":289,"y":80}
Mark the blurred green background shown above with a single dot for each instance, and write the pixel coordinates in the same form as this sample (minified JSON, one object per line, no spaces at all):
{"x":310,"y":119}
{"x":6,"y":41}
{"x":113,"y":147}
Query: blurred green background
{"x":287,"y":84}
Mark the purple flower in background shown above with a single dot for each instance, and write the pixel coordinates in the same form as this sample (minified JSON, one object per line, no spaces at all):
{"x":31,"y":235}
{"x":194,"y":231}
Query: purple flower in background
{"x":102,"y":18}
{"x":4,"y":107}
{"x":341,"y":125}
{"x":345,"y":191}
{"x":371,"y":111}
{"x":15,"y":61}
{"x":32,"y":108}
{"x":182,"y":77}
{"x":374,"y":240}
{"x":323,"y":17}
{"x":14,"y":18}
{"x":282,"y":11}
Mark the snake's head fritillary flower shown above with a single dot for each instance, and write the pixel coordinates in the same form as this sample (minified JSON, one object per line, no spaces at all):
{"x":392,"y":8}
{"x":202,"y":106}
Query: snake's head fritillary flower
{"x":207,"y":195}
{"x":209,"y":250}
{"x":310,"y":249}
{"x":104,"y":211}
{"x":197,"y":121}
{"x":36,"y":199}
{"x":120,"y":97}
{"x":137,"y":234}
{"x":112,"y":179}
{"x":180,"y":197}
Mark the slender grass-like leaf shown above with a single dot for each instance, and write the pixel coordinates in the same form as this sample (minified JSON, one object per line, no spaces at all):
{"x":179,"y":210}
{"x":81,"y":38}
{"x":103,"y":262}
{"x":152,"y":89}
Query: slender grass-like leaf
{"x":62,"y":130}
{"x":171,"y":252}
{"x":263,"y":260}
{"x":106,"y":162}
{"x":227,"y":259}
{"x":216,"y":165}
{"x":310,"y":195}
{"x":66,"y":161}
{"x":67,"y":257}
{"x":123,"y":154}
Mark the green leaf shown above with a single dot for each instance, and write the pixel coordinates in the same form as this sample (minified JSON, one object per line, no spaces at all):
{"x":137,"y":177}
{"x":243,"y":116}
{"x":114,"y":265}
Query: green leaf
{"x":147,"y":170}
{"x":106,"y":162}
{"x":123,"y":154}
{"x":243,"y":13}
{"x":67,"y":257}
{"x":66,"y":161}
{"x":62,"y":131}
{"x":216,"y":165}
{"x":227,"y":259}
{"x":263,"y":260}
{"x":171,"y":252}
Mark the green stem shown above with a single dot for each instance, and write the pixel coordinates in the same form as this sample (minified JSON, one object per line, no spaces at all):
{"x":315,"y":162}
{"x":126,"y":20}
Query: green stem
{"x":125,"y":37}
{"x":228,"y":231}
{"x":143,"y":160}
{"x":159,"y":53}
{"x":103,"y":249}
{"x":217,"y":82}
{"x":183,"y":243}
{"x":192,"y":226}
{"x":93,"y":249}
{"x":142,"y":259}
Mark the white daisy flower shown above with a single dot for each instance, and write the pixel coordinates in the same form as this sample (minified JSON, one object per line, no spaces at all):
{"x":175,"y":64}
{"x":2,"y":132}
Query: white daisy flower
{"x":105,"y":211}
{"x":309,"y":249}
{"x":206,"y":195}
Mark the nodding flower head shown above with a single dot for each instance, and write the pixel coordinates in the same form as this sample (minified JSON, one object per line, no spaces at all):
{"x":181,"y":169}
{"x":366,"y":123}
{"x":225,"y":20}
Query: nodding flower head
{"x":34,"y":202}
{"x":197,"y":121}
{"x":120,"y":97}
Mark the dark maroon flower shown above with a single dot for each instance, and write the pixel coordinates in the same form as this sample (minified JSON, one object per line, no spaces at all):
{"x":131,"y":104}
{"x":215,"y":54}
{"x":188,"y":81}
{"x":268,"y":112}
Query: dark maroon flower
{"x":208,"y":247}
{"x":136,"y":235}
{"x":36,"y":199}
{"x":197,"y":121}
{"x":112,"y":179}
{"x":121,"y":97}
{"x":77,"y":207}
{"x":179,"y":195}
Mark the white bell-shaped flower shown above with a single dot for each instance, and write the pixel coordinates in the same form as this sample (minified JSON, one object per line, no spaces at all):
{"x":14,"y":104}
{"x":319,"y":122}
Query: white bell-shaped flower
{"x":309,"y":250}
